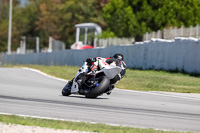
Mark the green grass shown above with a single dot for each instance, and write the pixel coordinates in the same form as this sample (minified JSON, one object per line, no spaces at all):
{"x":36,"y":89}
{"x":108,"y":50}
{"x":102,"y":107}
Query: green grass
{"x":143,"y":80}
{"x":80,"y":126}
{"x":64,"y":72}
{"x":160,"y":81}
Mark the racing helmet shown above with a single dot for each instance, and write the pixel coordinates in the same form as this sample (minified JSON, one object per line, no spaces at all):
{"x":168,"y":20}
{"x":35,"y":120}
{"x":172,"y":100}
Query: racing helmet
{"x":119,"y":57}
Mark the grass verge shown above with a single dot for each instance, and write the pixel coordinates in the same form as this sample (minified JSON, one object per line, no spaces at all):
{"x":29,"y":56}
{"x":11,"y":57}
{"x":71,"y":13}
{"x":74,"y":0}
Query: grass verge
{"x":79,"y":126}
{"x":143,"y":80}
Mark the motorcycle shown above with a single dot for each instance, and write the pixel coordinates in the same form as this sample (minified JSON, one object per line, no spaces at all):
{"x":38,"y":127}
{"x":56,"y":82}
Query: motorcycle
{"x":96,"y":83}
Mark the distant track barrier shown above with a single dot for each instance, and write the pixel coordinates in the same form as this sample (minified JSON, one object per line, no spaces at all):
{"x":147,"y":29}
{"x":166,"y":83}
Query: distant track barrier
{"x":181,"y":54}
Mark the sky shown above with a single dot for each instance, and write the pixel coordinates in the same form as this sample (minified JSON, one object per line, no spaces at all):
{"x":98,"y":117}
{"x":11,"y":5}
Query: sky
{"x":23,"y":2}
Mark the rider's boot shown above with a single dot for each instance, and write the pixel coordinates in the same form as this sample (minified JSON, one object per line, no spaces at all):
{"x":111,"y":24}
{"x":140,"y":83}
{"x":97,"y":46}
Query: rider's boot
{"x":111,"y":87}
{"x":81,"y":79}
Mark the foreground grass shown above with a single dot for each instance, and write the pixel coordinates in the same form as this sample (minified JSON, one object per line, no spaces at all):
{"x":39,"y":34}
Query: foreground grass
{"x":80,"y":126}
{"x":142,"y":80}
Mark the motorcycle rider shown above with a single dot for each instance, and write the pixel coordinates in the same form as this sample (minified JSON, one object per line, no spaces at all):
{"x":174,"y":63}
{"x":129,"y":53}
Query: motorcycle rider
{"x":97,"y":63}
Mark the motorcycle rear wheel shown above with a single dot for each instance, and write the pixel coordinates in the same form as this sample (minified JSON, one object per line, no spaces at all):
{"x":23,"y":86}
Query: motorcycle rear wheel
{"x":100,"y":89}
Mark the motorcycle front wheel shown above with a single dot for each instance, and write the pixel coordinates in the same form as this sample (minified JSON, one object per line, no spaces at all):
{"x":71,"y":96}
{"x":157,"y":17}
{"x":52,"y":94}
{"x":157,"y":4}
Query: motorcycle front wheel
{"x":66,"y":91}
{"x":100,"y":88}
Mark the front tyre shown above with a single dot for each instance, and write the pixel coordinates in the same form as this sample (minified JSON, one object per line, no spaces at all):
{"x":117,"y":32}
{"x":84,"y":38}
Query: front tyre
{"x":100,"y":89}
{"x":66,"y":90}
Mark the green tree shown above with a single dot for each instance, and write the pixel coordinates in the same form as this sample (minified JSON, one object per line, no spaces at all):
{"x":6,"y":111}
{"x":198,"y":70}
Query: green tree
{"x":120,"y":18}
{"x":76,"y":11}
{"x":4,"y":18}
{"x":134,"y":18}
{"x":3,"y":26}
{"x":58,"y":18}
{"x":49,"y":20}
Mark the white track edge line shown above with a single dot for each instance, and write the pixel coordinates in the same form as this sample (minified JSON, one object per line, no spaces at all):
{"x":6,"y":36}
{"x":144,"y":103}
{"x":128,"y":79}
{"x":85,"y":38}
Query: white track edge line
{"x":38,"y":71}
{"x":162,"y":94}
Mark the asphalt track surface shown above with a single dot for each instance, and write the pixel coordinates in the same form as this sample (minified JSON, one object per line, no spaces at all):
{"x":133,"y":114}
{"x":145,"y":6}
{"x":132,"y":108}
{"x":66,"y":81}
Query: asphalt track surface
{"x":25,"y":92}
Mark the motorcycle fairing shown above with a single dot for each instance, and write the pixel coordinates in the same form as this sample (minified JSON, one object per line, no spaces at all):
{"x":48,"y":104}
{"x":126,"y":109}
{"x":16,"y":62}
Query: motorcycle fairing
{"x":109,"y":70}
{"x":75,"y":87}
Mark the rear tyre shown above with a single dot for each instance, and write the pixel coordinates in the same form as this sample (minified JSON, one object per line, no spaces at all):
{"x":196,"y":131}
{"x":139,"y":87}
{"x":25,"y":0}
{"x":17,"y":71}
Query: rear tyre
{"x":67,"y":90}
{"x":98,"y":90}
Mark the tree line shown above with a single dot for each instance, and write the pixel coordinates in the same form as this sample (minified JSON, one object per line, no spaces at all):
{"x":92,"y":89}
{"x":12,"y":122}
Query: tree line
{"x":118,"y":18}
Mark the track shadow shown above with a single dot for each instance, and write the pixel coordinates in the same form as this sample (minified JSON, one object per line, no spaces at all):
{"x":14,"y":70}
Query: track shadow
{"x":82,"y":97}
